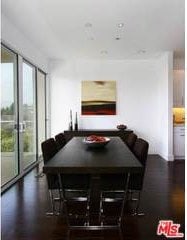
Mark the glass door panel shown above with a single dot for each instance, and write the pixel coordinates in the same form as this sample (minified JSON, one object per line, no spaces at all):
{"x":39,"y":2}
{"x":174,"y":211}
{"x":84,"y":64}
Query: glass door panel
{"x":28,"y":116}
{"x":9,"y":118}
{"x":41,"y":109}
{"x":22,"y":130}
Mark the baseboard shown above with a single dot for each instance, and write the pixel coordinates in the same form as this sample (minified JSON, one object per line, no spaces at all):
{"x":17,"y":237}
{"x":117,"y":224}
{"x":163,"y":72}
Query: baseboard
{"x":167,"y":157}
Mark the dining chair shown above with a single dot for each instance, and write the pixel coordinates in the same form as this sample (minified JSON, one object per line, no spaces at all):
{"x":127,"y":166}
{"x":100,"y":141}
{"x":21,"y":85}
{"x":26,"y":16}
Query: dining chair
{"x":130,"y":140}
{"x":76,"y":199}
{"x":113,"y":196}
{"x":49,"y":149}
{"x":60,"y":140}
{"x":140,"y":150}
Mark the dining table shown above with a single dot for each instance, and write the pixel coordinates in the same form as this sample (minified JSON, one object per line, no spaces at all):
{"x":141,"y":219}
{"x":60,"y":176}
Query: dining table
{"x":76,"y":157}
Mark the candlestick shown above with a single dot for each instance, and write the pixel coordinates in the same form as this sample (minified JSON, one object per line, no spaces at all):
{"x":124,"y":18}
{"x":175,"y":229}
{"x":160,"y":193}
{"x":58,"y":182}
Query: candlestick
{"x":76,"y":122}
{"x":71,"y":122}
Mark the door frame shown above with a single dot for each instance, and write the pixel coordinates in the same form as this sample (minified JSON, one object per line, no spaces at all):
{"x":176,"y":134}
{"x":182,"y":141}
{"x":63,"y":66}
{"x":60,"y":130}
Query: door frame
{"x":19,"y":70}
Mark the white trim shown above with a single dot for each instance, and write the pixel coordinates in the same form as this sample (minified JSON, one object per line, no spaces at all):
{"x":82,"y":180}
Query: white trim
{"x":167,"y":157}
{"x":170,"y":106}
{"x":48,"y":105}
{"x":19,"y":53}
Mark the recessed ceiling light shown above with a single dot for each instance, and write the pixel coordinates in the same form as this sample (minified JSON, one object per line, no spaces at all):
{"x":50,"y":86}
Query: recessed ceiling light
{"x":141,"y":51}
{"x":90,"y":38}
{"x":104,"y":52}
{"x":88,"y":25}
{"x":120,"y":25}
{"x":117,"y":38}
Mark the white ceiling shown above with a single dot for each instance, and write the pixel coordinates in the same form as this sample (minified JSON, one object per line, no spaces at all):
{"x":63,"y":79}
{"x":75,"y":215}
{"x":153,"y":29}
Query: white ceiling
{"x":57,"y":27}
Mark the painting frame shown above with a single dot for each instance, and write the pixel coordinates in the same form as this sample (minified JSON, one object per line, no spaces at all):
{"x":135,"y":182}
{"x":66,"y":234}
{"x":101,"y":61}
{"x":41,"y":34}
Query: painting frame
{"x":98,"y":97}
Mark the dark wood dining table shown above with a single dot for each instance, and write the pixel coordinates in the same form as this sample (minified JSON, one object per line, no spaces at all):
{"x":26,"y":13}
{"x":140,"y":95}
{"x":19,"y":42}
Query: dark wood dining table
{"x":77,"y":157}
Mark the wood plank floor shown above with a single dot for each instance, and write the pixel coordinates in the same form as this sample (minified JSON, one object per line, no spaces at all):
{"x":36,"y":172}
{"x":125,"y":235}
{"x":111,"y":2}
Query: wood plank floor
{"x":25,"y":204}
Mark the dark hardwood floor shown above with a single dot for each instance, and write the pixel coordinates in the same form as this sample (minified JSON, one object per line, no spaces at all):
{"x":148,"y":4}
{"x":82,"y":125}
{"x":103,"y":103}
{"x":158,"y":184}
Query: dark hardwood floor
{"x":25,"y":204}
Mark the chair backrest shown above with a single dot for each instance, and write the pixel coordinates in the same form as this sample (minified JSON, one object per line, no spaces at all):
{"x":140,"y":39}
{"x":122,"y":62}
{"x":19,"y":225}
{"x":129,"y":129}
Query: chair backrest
{"x":75,"y":189}
{"x":113,"y":196}
{"x":49,"y":149}
{"x":60,"y":140}
{"x":74,"y":182}
{"x":140,"y":150}
{"x":113,"y":182}
{"x":130,"y":140}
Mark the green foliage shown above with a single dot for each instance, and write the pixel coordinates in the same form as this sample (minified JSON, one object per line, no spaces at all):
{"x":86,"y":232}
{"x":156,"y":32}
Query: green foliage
{"x":7,"y":110}
{"x":27,"y":141}
{"x":8,"y":141}
{"x":7,"y":132}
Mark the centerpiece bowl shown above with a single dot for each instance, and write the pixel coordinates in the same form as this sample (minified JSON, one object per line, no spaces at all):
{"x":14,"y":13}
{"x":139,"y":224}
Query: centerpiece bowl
{"x":96,"y":141}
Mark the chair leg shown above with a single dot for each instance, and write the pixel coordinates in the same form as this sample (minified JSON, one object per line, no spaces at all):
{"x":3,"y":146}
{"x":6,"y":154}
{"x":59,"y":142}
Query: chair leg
{"x":130,"y":195}
{"x":52,"y":204}
{"x":101,"y":209}
{"x":131,"y":198}
{"x":88,"y":210}
{"x":60,"y":201}
{"x":124,"y":199}
{"x":120,"y":233}
{"x":136,"y":211}
{"x":39,"y":174}
{"x":68,"y":234}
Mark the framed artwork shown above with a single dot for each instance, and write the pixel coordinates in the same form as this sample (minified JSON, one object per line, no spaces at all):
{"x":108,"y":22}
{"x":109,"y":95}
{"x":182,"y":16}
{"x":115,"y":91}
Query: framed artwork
{"x":98,"y":98}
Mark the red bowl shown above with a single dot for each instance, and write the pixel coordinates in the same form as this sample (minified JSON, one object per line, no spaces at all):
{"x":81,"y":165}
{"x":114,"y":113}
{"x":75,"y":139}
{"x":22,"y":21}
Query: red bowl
{"x":96,"y":143}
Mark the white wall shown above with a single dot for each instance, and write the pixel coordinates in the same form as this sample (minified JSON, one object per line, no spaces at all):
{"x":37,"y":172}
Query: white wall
{"x":165,"y":104}
{"x":15,"y":39}
{"x":139,"y":88}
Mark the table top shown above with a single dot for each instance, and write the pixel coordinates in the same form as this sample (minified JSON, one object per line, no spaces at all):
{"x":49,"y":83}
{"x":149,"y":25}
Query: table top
{"x":99,"y":130}
{"x":76,"y":157}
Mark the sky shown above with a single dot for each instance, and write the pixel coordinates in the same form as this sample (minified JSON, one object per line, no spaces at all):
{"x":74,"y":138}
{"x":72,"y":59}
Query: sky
{"x":7,"y":84}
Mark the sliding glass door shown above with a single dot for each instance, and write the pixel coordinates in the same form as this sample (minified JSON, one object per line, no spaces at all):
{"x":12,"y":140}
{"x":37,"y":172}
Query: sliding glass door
{"x":9,"y":116}
{"x":28,"y":115}
{"x":41,"y":107}
{"x":23,"y":109}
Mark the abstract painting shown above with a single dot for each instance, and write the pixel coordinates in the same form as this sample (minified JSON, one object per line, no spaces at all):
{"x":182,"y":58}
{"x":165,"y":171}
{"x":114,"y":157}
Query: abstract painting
{"x":98,"y":98}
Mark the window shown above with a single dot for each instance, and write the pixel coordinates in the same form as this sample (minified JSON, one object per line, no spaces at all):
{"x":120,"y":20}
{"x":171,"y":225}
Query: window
{"x":23,"y":120}
{"x":9,"y":116}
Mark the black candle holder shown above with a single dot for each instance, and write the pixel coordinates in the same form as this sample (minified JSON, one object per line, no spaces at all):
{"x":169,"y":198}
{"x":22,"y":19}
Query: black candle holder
{"x":76,"y":122}
{"x":71,"y":122}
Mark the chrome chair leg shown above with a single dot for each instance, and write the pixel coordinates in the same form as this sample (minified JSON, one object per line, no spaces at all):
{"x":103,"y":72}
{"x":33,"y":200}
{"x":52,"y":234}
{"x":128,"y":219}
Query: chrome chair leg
{"x":52,"y":199}
{"x":131,"y":198}
{"x":101,"y":209}
{"x":120,"y":233}
{"x":68,"y":234}
{"x":60,"y":199}
{"x":136,"y":211}
{"x":88,"y":210}
{"x":124,"y":199}
{"x":130,"y":193}
{"x":39,"y":175}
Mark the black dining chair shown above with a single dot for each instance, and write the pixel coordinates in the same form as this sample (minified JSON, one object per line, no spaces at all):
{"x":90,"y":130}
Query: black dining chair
{"x":130,"y":140}
{"x":60,"y":140}
{"x":140,"y":150}
{"x":113,"y":197}
{"x":76,"y":199}
{"x":49,"y":149}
